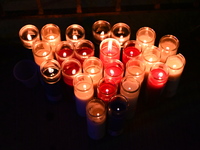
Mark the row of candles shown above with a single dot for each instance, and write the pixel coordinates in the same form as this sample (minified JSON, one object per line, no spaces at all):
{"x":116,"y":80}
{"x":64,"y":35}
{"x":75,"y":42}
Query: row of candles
{"x":108,"y":86}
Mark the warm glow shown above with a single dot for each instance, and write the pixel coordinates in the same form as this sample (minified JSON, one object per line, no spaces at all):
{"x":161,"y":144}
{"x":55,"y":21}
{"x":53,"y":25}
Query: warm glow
{"x":84,"y":87}
{"x":151,"y":59}
{"x":92,"y":70}
{"x":144,"y":41}
{"x":75,"y":37}
{"x":98,"y":114}
{"x":118,"y":109}
{"x":112,"y":72}
{"x":102,"y":33}
{"x":29,"y":37}
{"x":167,"y":48}
{"x":44,"y":54}
{"x":109,"y":46}
{"x":51,"y":37}
{"x":74,"y":71}
{"x":107,"y":90}
{"x":64,"y":54}
{"x":51,"y":70}
{"x":174,"y":66}
{"x":160,"y":75}
{"x":84,"y":54}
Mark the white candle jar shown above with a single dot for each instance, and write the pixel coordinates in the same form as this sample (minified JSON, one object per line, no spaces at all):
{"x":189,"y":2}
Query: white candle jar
{"x":100,"y":31}
{"x":84,"y":92}
{"x":42,"y":51}
{"x":176,"y":64}
{"x":145,"y":36}
{"x":121,"y":32}
{"x":51,"y":33}
{"x":28,"y":35}
{"x":96,"y":118}
{"x":75,"y":33}
{"x":169,"y":45}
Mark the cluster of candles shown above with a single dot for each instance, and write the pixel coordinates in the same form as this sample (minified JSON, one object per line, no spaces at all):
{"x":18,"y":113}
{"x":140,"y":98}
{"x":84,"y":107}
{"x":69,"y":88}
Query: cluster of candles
{"x":106,"y":89}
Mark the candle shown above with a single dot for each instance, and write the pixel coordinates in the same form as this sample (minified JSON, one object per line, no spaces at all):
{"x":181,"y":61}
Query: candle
{"x":114,"y":70}
{"x":109,"y":49}
{"x":51,"y":33}
{"x":169,"y":45}
{"x":106,"y":88}
{"x":130,"y":51}
{"x":64,"y":50}
{"x":101,"y":30}
{"x":135,"y":68}
{"x":41,"y":52}
{"x":29,"y":34}
{"x":94,"y":67}
{"x":70,"y":68}
{"x":130,"y":88}
{"x":176,"y":65}
{"x":96,"y":118}
{"x":84,"y":49}
{"x":156,"y":81}
{"x":74,"y":33}
{"x":51,"y":74}
{"x":117,"y":111}
{"x":84,"y":92}
{"x":121,"y":32}
{"x":145,"y":37}
{"x":150,"y":56}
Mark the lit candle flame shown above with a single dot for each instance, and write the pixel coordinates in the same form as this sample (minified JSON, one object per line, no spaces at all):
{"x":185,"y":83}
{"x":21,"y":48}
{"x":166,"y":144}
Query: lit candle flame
{"x":84,"y":54}
{"x":29,"y":37}
{"x":75,"y":37}
{"x":145,"y":41}
{"x":167,"y":48}
{"x":107,"y":91}
{"x":92,"y":70}
{"x":44,"y":54}
{"x":74,"y":71}
{"x":174,"y":66}
{"x":160,"y":75}
{"x":51,"y":37}
{"x":64,"y":54}
{"x":109,"y":46}
{"x":84,"y":87}
{"x":151,"y":59}
{"x":98,"y":114}
{"x":51,"y":70}
{"x":112,"y":72}
{"x":118,"y":109}
{"x":102,"y":33}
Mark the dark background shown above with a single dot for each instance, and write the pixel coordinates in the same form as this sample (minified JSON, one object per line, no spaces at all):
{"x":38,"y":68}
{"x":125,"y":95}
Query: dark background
{"x":29,"y":121}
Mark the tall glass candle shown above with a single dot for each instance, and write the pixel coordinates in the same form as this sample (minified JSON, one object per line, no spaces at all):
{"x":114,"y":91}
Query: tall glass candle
{"x":75,"y":33}
{"x":130,"y":51}
{"x":41,"y":52}
{"x":121,"y":32}
{"x":94,"y":67}
{"x":130,"y":88}
{"x":114,"y":70}
{"x":156,"y":81}
{"x":28,"y":34}
{"x":70,"y":68}
{"x":135,"y":68}
{"x":150,"y":56}
{"x":109,"y":49}
{"x":84,"y":49}
{"x":117,"y":114}
{"x":84,"y":92}
{"x":96,"y":118}
{"x":145,"y":37}
{"x":51,"y":33}
{"x":100,"y":30}
{"x":51,"y":75}
{"x":176,"y":64}
{"x":169,"y":45}
{"x":106,"y":88}
{"x":64,"y":50}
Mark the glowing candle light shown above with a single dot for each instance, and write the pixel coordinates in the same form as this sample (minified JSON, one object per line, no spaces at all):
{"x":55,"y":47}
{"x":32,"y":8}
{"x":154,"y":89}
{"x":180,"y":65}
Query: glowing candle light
{"x":74,"y":33}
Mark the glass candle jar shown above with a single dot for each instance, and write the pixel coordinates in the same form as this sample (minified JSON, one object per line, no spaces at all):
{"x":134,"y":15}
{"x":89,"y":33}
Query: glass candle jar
{"x":136,"y":68}
{"x":96,"y":118}
{"x":70,"y":68}
{"x":51,"y":33}
{"x":176,"y":64}
{"x":169,"y":45}
{"x":130,"y":88}
{"x":64,"y":50}
{"x":84,"y":49}
{"x":106,"y":88}
{"x":121,"y":32}
{"x":75,"y":33}
{"x":145,"y":36}
{"x":117,"y":114}
{"x":130,"y":51}
{"x":100,"y":31}
{"x":109,"y":49}
{"x":41,"y":52}
{"x":83,"y":91}
{"x":29,"y":34}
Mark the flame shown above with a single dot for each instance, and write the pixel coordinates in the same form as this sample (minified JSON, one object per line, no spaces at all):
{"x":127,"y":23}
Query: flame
{"x":145,"y":41}
{"x":107,"y":90}
{"x":29,"y":37}
{"x":112,"y":72}
{"x":44,"y":54}
{"x":98,"y":114}
{"x":102,"y":33}
{"x":167,"y":48}
{"x":160,"y":75}
{"x":109,"y":46}
{"x":51,"y":70}
{"x":92,"y":70}
{"x":51,"y":37}
{"x":74,"y":71}
{"x":151,"y":59}
{"x":84,"y":87}
{"x":75,"y":37}
{"x":64,"y":54}
{"x":174,"y":66}
{"x":84,"y":53}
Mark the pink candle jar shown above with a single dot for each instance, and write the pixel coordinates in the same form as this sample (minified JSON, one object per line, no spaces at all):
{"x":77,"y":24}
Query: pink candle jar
{"x":114,"y":70}
{"x":64,"y":50}
{"x":109,"y":49}
{"x":106,"y":88}
{"x":130,"y":51}
{"x":70,"y":68}
{"x":84,"y":49}
{"x":157,"y":79}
